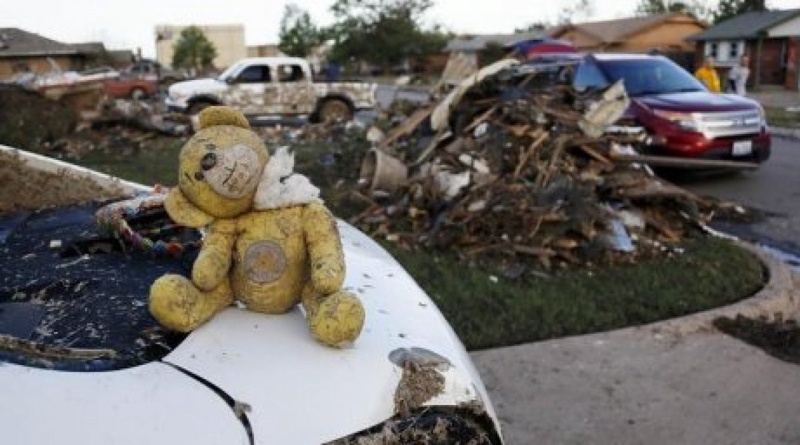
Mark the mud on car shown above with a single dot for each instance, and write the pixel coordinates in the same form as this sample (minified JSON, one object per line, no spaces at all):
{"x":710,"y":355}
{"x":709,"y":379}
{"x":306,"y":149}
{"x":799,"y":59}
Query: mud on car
{"x":83,"y":362}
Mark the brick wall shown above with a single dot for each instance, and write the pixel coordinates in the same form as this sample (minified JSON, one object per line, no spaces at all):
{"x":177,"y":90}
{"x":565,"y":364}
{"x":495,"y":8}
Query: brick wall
{"x":773,"y":71}
{"x":790,"y":82}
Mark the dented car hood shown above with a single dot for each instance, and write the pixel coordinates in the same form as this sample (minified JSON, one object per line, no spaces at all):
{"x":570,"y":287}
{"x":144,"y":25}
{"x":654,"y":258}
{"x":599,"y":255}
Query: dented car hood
{"x":272,"y":366}
{"x":251,"y":378}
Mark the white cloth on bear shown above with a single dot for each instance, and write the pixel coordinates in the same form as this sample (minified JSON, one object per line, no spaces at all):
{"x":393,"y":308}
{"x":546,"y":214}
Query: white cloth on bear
{"x":281,"y":187}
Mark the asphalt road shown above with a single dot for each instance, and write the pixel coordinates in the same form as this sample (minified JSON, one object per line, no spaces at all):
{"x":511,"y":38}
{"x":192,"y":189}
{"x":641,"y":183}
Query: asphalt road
{"x":773,"y":189}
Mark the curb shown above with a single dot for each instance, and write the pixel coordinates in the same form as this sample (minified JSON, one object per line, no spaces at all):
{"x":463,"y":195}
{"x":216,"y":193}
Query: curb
{"x":775,"y":301}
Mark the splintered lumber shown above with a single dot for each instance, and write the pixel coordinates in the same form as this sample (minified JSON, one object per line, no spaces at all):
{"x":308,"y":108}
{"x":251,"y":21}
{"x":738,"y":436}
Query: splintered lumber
{"x":509,"y":166}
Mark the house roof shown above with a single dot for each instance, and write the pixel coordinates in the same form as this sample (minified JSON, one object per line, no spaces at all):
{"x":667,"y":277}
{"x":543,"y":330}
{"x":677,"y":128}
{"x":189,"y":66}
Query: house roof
{"x":613,"y":31}
{"x":92,"y":48}
{"x":746,"y":25}
{"x":605,"y":32}
{"x":15,"y":42}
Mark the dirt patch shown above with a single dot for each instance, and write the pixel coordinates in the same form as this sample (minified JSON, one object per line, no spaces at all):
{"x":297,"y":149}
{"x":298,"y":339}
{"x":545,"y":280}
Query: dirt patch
{"x":779,"y":338}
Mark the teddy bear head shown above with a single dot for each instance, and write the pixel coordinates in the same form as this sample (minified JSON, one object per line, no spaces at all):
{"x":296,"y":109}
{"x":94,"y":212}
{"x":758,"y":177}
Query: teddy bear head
{"x":219,"y":169}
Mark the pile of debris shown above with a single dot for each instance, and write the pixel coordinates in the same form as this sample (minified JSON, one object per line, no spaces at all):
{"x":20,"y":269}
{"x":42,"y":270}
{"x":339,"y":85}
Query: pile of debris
{"x":119,"y":125}
{"x":516,"y":163}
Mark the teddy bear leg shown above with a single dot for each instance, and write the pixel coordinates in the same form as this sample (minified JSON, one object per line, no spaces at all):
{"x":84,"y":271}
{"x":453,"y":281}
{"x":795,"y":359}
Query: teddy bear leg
{"x":336,"y":319}
{"x":179,"y":305}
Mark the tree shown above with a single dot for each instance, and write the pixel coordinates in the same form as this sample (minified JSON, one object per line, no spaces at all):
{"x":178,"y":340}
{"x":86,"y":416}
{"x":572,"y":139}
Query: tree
{"x":383,"y":32}
{"x":731,"y":8}
{"x":298,"y":35}
{"x":539,"y":26}
{"x":193,"y":50}
{"x":697,"y":8}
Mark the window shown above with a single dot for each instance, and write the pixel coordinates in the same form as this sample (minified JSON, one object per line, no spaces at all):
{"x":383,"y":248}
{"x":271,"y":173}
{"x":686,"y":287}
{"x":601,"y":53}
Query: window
{"x":650,"y":76}
{"x":712,"y":49}
{"x":254,"y":74}
{"x":291,"y":73}
{"x":589,"y":76}
{"x":735,"y":51}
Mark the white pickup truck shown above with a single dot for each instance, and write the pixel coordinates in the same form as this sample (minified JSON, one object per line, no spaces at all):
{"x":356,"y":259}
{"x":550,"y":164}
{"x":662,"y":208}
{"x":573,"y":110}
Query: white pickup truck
{"x":273,"y":86}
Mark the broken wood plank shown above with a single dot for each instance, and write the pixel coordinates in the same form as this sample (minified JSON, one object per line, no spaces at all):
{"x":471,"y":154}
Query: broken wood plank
{"x":408,"y":126}
{"x":594,"y":154}
{"x":529,"y":152}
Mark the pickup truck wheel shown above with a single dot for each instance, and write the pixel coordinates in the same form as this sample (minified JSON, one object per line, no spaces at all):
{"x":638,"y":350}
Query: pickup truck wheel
{"x":333,"y":110}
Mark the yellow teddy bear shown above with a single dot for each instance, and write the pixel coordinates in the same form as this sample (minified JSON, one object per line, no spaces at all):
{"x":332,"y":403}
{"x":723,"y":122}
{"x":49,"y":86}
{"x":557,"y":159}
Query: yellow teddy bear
{"x":270,"y":242}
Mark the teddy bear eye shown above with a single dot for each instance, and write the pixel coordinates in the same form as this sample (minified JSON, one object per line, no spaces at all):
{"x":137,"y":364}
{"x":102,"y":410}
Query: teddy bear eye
{"x":209,"y":161}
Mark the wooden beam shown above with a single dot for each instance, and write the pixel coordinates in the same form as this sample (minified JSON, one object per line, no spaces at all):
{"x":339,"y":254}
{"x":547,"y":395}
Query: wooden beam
{"x":688,"y":163}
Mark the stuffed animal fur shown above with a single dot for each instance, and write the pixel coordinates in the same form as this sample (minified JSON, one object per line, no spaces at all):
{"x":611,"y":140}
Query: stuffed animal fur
{"x":270,"y":242}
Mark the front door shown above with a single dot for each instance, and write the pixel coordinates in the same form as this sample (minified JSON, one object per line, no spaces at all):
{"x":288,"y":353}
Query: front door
{"x":247,"y":90}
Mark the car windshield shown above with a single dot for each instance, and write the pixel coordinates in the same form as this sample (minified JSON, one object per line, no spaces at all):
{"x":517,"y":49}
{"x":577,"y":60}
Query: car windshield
{"x":651,"y":76}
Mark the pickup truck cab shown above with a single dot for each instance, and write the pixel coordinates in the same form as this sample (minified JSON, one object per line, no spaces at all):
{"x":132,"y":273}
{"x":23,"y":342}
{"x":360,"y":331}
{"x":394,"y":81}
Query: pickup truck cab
{"x":681,"y":116}
{"x":273,"y":86}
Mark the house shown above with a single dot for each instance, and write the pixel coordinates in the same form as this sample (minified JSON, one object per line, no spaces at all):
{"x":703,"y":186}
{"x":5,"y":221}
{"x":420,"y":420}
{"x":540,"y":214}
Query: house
{"x":662,"y":32}
{"x":22,"y":51}
{"x":772,"y":38}
{"x":472,"y":48}
{"x":227,"y":39}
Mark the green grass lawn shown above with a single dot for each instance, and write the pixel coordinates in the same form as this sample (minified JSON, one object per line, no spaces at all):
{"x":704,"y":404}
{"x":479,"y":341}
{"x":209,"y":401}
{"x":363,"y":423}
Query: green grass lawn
{"x":488,"y":310}
{"x":779,"y":117}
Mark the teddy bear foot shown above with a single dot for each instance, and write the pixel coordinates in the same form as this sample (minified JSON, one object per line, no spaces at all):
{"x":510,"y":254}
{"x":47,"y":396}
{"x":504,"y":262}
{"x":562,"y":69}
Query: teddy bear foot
{"x":337,"y":320}
{"x":178,"y":305}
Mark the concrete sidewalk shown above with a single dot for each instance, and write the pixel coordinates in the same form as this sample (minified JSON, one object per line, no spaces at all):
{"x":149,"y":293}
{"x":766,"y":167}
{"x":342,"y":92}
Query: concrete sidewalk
{"x":776,"y":97}
{"x":674,"y":382}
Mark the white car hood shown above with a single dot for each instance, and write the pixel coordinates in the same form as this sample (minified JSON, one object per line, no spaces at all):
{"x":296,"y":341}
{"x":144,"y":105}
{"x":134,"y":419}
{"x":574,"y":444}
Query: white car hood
{"x":266,"y":368}
{"x":298,"y":391}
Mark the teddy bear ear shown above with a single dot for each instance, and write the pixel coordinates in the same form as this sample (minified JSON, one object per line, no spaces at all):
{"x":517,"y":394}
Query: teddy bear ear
{"x":222,"y":115}
{"x":183,"y":212}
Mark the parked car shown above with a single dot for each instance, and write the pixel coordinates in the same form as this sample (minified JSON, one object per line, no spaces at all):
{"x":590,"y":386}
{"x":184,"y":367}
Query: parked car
{"x":273,"y":86}
{"x":82,"y":361}
{"x":680,"y":115}
{"x":130,"y":86}
{"x":99,"y":73}
{"x":155,"y":71}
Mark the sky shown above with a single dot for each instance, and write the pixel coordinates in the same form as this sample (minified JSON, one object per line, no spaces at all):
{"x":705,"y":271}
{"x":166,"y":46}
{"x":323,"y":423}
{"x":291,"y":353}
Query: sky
{"x":130,"y":24}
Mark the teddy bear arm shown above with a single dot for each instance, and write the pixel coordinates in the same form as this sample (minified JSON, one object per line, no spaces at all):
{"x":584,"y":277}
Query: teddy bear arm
{"x":324,"y":249}
{"x":214,"y":260}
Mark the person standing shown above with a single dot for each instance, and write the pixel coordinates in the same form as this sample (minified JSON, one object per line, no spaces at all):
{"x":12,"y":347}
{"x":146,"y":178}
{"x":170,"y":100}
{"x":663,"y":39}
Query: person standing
{"x":708,"y":75}
{"x":737,"y":76}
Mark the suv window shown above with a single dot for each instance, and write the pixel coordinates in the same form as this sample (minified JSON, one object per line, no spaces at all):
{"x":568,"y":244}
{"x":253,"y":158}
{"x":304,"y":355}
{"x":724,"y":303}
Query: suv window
{"x":254,"y":74}
{"x":589,"y":76}
{"x":656,"y":75}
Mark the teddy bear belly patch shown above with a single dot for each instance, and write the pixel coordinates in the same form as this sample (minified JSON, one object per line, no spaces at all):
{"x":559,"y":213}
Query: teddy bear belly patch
{"x":264,"y":262}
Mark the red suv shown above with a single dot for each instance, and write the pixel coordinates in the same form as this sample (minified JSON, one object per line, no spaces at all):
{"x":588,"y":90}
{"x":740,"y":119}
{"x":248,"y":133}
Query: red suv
{"x":682,"y":117}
